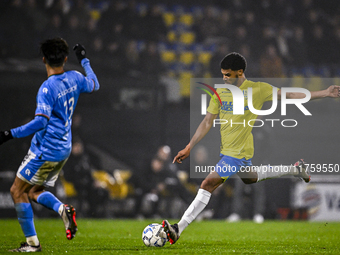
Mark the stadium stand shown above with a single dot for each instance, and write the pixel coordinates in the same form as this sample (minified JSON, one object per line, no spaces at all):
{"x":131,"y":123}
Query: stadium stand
{"x":136,"y":45}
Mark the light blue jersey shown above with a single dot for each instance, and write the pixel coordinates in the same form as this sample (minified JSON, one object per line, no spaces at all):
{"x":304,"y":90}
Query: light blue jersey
{"x":56,"y":101}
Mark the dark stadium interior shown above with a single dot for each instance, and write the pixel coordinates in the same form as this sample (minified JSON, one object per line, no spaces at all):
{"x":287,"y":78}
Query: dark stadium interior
{"x":144,"y":54}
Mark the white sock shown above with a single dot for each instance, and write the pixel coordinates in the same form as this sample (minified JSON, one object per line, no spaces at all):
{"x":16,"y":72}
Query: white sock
{"x":32,"y":240}
{"x":61,"y":208}
{"x":270,"y":172}
{"x":201,"y":200}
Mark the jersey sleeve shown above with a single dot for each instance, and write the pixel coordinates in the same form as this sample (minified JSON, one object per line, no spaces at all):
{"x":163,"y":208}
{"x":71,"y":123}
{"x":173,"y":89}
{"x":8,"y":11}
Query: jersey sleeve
{"x":267,"y":91}
{"x":89,"y":83}
{"x":214,"y":106}
{"x":45,"y":101}
{"x":38,"y":123}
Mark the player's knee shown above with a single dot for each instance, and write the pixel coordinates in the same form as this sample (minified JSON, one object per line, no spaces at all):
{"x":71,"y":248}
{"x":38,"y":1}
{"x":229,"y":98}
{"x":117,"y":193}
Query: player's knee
{"x":204,"y":184}
{"x":15,"y":193}
{"x":210,"y":184}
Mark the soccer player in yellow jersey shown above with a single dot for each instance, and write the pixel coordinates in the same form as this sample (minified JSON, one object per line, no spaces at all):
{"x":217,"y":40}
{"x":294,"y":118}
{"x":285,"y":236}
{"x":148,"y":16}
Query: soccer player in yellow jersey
{"x":237,"y":147}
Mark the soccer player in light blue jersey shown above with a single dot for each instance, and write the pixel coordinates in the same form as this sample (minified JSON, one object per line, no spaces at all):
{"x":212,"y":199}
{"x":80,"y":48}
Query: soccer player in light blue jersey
{"x":52,"y":141}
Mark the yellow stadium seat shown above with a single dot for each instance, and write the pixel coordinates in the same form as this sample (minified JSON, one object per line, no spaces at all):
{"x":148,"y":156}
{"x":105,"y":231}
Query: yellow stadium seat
{"x":95,"y":14}
{"x":171,"y":36}
{"x":168,"y":56}
{"x":184,"y":81}
{"x":187,"y":57}
{"x":69,"y":189}
{"x":204,"y":57}
{"x":186,"y":19}
{"x":187,"y":38}
{"x":169,"y":18}
{"x":117,"y":187}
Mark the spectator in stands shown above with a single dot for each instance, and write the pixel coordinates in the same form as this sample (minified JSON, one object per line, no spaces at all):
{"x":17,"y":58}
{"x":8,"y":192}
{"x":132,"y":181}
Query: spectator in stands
{"x":318,"y":51}
{"x":90,"y":197}
{"x":16,"y":27}
{"x":112,"y":21}
{"x":268,"y":37}
{"x":38,"y":18}
{"x":133,"y":22}
{"x":154,"y":26}
{"x":252,"y":24}
{"x":92,"y":31}
{"x":81,"y":10}
{"x":154,"y":181}
{"x":225,"y":21}
{"x":335,"y":42}
{"x":100,"y":56}
{"x":298,"y":49}
{"x":252,"y":62}
{"x":215,"y":60}
{"x":73,"y":31}
{"x":240,"y":37}
{"x":271,"y":63}
{"x":152,"y":64}
{"x":116,"y":57}
{"x":54,"y":26}
{"x":62,"y":7}
{"x":207,"y":26}
{"x":132,"y":56}
{"x":282,"y":45}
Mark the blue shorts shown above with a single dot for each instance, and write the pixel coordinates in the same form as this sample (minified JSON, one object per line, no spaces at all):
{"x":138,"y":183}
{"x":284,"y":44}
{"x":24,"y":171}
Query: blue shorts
{"x":36,"y":171}
{"x":227,"y":166}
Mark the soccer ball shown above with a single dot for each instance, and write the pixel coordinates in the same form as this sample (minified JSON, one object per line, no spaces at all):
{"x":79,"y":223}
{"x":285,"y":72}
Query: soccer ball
{"x":154,"y":235}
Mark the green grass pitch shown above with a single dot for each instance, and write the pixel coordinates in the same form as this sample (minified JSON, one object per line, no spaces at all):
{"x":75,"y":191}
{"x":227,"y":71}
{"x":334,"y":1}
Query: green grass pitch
{"x":206,"y":237}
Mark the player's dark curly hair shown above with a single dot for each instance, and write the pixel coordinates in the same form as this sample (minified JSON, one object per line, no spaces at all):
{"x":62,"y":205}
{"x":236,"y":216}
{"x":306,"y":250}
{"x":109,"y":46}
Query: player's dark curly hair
{"x":54,"y":50}
{"x":234,"y":61}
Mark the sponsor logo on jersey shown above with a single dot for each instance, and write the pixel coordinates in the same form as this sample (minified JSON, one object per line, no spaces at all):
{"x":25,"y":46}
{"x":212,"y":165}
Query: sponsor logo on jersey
{"x":66,"y":91}
{"x":228,"y":106}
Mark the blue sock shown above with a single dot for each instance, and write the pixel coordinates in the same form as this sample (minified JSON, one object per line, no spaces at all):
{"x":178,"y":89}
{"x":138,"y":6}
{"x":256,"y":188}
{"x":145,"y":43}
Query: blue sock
{"x":25,"y":217}
{"x":48,"y":200}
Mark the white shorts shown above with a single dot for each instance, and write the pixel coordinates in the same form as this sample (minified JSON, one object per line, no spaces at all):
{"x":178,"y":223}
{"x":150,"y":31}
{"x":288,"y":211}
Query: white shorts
{"x":39,"y":172}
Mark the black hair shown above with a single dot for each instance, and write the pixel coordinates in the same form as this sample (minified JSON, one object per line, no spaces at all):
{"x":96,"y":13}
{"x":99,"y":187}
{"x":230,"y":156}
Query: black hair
{"x":54,"y":50}
{"x":234,"y":61}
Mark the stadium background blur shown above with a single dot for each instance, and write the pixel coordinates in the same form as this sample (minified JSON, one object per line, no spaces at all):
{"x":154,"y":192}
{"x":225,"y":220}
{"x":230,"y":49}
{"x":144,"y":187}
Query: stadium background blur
{"x":144,"y":54}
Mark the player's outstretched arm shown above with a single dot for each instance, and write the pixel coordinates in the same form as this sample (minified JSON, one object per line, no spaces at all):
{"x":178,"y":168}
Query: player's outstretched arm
{"x":201,"y":131}
{"x":80,"y":52}
{"x":38,"y":123}
{"x":332,"y":91}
